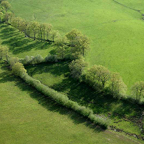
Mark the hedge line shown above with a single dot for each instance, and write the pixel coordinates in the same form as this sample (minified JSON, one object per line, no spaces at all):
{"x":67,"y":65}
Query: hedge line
{"x":64,"y":100}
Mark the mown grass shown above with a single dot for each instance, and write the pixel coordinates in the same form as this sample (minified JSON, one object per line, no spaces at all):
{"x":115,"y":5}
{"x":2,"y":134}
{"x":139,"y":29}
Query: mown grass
{"x":56,"y":77}
{"x":26,"y":116}
{"x":116,"y":31}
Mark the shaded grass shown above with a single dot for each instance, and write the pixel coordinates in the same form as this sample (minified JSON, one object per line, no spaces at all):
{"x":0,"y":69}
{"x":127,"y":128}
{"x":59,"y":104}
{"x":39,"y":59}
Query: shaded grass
{"x":56,"y":77}
{"x":20,"y":46}
{"x":26,"y":116}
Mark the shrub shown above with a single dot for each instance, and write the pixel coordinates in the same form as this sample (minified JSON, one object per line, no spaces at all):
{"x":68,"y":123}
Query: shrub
{"x":37,"y":59}
{"x":51,"y":58}
{"x":18,"y":69}
{"x":138,"y":90}
{"x":77,"y":68}
{"x":13,"y":60}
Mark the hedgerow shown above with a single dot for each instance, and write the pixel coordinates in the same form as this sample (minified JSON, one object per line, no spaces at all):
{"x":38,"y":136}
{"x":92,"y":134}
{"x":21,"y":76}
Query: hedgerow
{"x":19,"y":70}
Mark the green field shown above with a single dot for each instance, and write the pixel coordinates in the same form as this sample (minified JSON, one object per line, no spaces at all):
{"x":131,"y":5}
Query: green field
{"x":115,"y":28}
{"x":116,"y":31}
{"x":28,"y":117}
{"x":55,"y":76}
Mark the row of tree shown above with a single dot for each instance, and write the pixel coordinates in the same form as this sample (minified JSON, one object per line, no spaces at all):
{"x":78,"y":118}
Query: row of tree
{"x":72,"y":45}
{"x":100,"y":78}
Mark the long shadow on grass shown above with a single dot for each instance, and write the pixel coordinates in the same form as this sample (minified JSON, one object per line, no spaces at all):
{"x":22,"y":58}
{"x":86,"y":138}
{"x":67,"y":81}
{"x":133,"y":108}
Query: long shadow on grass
{"x":83,"y":94}
{"x":47,"y":102}
{"x":17,"y":42}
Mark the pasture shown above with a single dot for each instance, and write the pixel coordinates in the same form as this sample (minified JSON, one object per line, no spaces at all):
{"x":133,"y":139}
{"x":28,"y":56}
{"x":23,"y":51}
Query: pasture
{"x":26,"y":116}
{"x":115,"y":29}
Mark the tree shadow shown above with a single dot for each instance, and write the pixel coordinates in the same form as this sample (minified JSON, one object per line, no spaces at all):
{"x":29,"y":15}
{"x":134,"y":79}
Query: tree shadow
{"x":100,"y":102}
{"x":18,"y":43}
{"x":48,"y":103}
{"x":54,"y":68}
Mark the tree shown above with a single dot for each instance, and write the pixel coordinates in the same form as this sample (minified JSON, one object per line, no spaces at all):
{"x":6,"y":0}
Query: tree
{"x":98,"y":76}
{"x":42,"y":29}
{"x":117,"y":85}
{"x":13,"y":60}
{"x":54,"y":34}
{"x":138,"y":90}
{"x":8,"y":16}
{"x":23,"y":26}
{"x":1,"y":16}
{"x":34,"y":27}
{"x":61,"y":46}
{"x":78,"y":42}
{"x":72,"y":36}
{"x":6,"y":5}
{"x":82,"y":44}
{"x":16,"y":21}
{"x":4,"y":52}
{"x":48,"y":28}
{"x":77,"y":68}
{"x":18,"y":69}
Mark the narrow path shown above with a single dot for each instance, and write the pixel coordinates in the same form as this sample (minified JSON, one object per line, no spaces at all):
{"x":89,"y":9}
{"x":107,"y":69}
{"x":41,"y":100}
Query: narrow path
{"x":139,"y":11}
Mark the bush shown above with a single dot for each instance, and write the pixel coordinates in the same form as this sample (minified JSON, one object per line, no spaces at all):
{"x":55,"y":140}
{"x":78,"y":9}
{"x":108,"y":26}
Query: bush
{"x":77,"y":68}
{"x":51,"y":58}
{"x":32,"y":60}
{"x":13,"y":60}
{"x":18,"y":69}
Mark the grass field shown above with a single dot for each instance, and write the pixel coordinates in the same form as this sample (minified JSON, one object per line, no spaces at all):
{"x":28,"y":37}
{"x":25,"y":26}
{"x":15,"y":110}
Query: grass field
{"x":54,"y":76}
{"x":28,"y":117}
{"x":115,"y":29}
{"x":116,"y":32}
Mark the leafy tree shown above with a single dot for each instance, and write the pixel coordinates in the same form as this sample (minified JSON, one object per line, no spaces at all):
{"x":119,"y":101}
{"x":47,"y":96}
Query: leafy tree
{"x":4,"y":52}
{"x":42,"y":30}
{"x":8,"y":16}
{"x":82,"y":44}
{"x":98,"y":76}
{"x":13,"y":60}
{"x":72,"y":36}
{"x":54,"y":34}
{"x":34,"y":27}
{"x":138,"y":90}
{"x":61,"y":46}
{"x":61,"y":52}
{"x":18,"y":69}
{"x":16,"y":21}
{"x":48,"y":29}
{"x":117,"y":85}
{"x":78,"y":42}
{"x":77,"y":67}
{"x":6,"y":5}
{"x":1,"y":16}
{"x":23,"y":26}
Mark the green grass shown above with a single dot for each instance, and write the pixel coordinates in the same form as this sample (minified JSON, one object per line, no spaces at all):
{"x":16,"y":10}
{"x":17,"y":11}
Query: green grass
{"x":116,"y":32}
{"x":55,"y":76}
{"x":20,"y":46}
{"x":26,"y":116}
